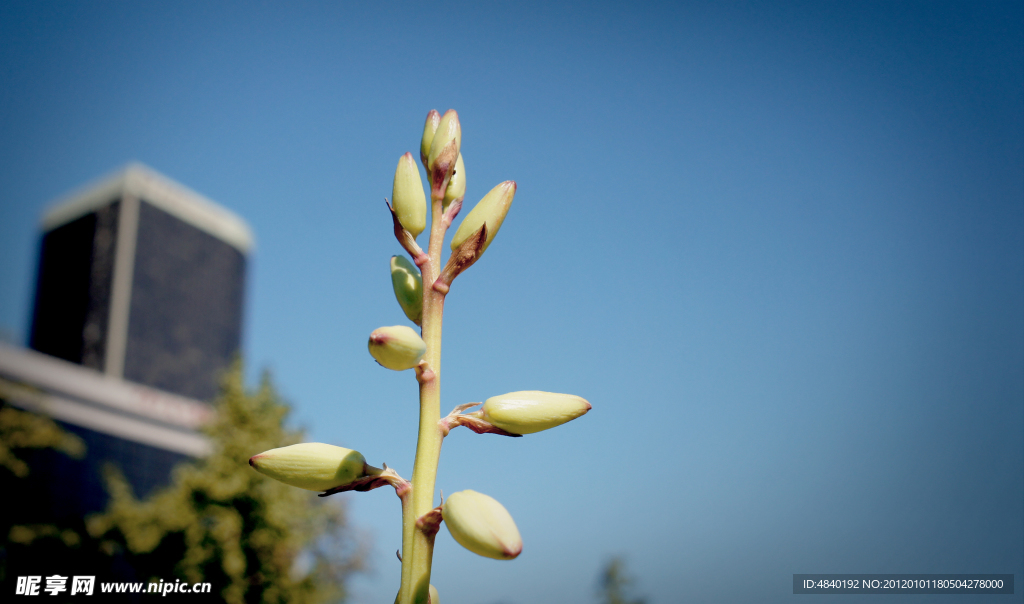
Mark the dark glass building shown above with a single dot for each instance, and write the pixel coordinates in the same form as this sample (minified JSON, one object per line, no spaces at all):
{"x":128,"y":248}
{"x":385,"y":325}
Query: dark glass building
{"x":138,"y":311}
{"x":142,"y":279}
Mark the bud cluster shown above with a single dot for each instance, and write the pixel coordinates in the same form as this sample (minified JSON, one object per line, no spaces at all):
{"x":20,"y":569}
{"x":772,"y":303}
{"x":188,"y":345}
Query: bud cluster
{"x":476,"y":521}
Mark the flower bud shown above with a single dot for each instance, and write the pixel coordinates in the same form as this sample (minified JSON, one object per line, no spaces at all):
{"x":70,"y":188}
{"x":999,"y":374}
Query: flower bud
{"x":456,"y":184}
{"x":397,"y":347}
{"x":531,"y":411}
{"x":433,"y":119}
{"x":311,"y":466}
{"x":481,"y":525}
{"x":444,"y":152}
{"x":407,"y":198}
{"x":491,"y":209}
{"x":408,"y":284}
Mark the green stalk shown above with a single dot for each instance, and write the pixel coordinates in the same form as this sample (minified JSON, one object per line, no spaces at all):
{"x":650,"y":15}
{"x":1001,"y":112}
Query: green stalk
{"x":418,"y":547}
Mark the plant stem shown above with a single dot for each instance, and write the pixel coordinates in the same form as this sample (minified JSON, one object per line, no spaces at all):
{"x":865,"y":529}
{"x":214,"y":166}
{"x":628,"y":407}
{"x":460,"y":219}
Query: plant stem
{"x":418,"y":548}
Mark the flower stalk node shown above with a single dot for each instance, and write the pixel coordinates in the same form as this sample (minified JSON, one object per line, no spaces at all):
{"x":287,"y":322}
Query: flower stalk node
{"x":463,"y":258}
{"x":374,"y":479}
{"x":405,"y":238}
{"x":430,"y":522}
{"x":451,"y":212}
{"x":471,"y":421}
{"x":424,"y":373}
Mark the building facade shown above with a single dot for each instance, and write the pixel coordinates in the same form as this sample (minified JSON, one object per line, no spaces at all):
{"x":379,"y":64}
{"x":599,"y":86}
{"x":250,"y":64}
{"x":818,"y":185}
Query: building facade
{"x":137,"y":313}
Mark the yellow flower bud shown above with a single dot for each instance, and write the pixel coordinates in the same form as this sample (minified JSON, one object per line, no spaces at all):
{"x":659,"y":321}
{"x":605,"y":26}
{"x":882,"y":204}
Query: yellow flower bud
{"x":481,"y":525}
{"x":433,"y":119}
{"x":407,"y":198}
{"x":491,"y":209}
{"x":444,"y":152}
{"x":456,"y":184}
{"x":531,"y":411}
{"x":408,"y":284}
{"x":311,"y":466}
{"x":397,"y":347}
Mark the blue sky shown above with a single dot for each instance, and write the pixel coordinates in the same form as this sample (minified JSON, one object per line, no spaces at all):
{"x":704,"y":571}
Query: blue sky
{"x":778,"y":246}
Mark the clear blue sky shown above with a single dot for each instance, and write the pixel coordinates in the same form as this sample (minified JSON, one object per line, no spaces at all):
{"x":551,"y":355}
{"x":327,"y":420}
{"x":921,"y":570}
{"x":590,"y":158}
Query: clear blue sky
{"x":778,"y":245}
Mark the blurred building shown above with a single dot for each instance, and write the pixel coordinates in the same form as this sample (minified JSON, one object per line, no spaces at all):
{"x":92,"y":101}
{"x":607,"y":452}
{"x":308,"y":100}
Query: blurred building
{"x":138,"y":311}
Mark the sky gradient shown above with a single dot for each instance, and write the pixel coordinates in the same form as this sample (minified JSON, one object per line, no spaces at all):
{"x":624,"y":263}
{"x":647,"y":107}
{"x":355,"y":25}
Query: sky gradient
{"x":779,"y":246}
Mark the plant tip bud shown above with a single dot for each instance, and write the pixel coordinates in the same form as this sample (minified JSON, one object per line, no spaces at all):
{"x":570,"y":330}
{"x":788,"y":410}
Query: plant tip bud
{"x":429,"y":128}
{"x":444,"y":152}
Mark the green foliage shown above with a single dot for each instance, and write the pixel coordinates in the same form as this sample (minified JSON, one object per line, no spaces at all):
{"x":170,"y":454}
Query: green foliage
{"x":21,"y":433}
{"x":21,"y":430}
{"x":615,"y":583}
{"x":221,"y":522}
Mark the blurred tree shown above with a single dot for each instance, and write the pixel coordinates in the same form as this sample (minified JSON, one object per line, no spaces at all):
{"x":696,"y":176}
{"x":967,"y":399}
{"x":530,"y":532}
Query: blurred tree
{"x":21,"y":434}
{"x":254,"y":539}
{"x":614,"y":584}
{"x":21,"y":430}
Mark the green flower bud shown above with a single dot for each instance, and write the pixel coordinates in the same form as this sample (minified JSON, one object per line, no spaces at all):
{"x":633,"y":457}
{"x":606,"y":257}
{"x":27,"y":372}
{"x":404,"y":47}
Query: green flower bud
{"x":481,"y":525}
{"x":408,"y":284}
{"x":491,"y":209}
{"x":456,"y":184}
{"x":531,"y":411}
{"x":444,"y":152}
{"x":397,"y":347}
{"x":311,"y":466}
{"x":407,"y":198}
{"x":433,"y":119}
